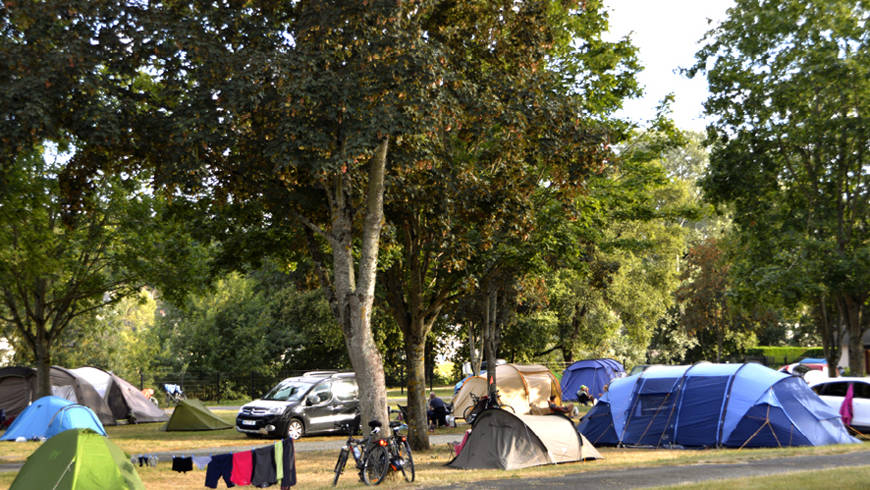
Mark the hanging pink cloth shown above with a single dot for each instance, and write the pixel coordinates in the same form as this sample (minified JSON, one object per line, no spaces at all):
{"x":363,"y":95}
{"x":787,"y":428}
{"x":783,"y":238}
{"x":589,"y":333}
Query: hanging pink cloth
{"x":846,"y":408}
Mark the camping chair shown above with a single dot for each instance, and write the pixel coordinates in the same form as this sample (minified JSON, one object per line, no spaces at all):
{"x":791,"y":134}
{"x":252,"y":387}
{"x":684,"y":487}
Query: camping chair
{"x":174,"y":394}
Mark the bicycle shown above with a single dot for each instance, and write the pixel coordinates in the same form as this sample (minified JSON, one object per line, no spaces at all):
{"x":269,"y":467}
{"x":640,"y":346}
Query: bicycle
{"x":390,"y":454}
{"x":351,"y":446}
{"x":482,"y":403}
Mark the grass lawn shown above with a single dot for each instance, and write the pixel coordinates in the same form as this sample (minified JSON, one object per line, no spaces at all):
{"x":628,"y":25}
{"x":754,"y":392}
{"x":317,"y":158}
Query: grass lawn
{"x":314,"y":469}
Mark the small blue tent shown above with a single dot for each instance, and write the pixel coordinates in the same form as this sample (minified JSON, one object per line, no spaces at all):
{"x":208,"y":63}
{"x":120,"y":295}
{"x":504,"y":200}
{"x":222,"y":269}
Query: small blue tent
{"x":712,"y":405}
{"x":594,"y":373}
{"x":51,"y":415}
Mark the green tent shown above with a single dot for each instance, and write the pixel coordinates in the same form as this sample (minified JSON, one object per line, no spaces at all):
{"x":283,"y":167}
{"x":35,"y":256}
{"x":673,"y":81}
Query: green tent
{"x":78,"y":459}
{"x":193,"y":415}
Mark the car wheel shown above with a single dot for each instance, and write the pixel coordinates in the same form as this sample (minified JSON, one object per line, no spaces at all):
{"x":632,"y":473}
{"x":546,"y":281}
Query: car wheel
{"x":294,"y":429}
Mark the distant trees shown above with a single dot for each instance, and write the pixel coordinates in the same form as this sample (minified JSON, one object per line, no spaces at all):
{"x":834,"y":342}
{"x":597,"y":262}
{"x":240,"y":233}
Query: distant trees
{"x":790,"y":92}
{"x":62,"y":261}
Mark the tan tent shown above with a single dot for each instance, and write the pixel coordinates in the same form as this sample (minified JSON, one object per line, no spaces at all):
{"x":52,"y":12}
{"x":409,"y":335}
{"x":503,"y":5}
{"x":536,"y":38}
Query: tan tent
{"x":520,"y":386}
{"x":501,"y":439}
{"x":18,"y":390}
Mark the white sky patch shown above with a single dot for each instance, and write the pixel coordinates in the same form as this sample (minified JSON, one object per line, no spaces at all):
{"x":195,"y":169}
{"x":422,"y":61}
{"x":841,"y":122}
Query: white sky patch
{"x":666,"y":33}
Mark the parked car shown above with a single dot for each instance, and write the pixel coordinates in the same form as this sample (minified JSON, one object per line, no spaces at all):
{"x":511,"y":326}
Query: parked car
{"x":317,"y":401}
{"x":833,"y":391}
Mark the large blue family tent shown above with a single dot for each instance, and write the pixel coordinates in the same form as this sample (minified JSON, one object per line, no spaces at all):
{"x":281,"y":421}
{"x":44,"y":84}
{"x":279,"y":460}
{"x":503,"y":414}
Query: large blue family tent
{"x":712,"y":405}
{"x":594,"y":373}
{"x":49,"y":416}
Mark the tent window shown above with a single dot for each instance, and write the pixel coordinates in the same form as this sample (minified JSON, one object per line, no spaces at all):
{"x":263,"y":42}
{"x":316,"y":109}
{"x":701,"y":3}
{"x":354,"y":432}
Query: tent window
{"x":650,"y":404}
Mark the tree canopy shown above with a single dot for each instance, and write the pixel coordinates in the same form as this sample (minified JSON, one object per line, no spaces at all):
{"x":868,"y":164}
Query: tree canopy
{"x":790,"y":91}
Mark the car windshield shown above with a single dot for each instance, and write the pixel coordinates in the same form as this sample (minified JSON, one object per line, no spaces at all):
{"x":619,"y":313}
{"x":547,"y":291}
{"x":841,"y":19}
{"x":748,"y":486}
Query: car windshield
{"x":287,"y":391}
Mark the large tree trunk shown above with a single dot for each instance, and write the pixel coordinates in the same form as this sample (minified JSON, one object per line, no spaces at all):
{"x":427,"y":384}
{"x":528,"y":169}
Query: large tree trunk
{"x":354,"y":293}
{"x":490,"y":337}
{"x":42,"y":352}
{"x":831,"y":336}
{"x":852,"y":316}
{"x":417,"y":406}
{"x":474,"y":357}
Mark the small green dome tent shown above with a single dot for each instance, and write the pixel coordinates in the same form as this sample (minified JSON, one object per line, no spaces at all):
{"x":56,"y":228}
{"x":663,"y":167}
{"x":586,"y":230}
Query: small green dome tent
{"x":78,"y":459}
{"x":193,"y":415}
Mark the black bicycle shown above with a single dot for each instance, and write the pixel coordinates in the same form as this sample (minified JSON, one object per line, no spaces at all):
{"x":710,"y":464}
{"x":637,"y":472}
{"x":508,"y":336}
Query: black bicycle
{"x":481,"y":403}
{"x":389,"y":454}
{"x":357,"y":447}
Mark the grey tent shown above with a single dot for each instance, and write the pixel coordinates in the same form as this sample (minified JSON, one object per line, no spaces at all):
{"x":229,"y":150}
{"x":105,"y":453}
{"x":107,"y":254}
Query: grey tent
{"x":18,"y":390}
{"x":124,"y":400}
{"x":501,"y":439}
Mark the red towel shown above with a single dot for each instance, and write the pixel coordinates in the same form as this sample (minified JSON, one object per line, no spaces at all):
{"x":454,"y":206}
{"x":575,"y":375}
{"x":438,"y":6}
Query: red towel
{"x":846,"y":408}
{"x":243,"y":468}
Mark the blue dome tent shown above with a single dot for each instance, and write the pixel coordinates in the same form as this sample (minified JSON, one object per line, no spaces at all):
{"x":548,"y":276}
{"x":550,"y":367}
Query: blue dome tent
{"x":712,"y":405}
{"x":49,"y":416}
{"x":594,"y":373}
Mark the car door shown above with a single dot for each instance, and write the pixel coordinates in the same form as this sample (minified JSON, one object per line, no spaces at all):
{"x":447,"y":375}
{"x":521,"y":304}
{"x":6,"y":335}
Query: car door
{"x":833,"y":393}
{"x":861,"y":405}
{"x":345,"y":400}
{"x":318,"y":407}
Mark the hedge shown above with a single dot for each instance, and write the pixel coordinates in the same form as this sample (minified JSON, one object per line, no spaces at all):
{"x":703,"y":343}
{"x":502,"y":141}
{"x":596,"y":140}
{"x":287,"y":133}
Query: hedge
{"x":784,"y":355}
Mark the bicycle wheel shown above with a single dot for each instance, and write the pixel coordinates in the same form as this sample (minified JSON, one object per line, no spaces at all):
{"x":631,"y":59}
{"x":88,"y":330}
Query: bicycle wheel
{"x":404,"y":450}
{"x":339,"y":465}
{"x":376,"y":465}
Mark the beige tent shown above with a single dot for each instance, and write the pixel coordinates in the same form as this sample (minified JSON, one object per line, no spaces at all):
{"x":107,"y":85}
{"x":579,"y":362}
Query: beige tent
{"x":501,"y":439}
{"x":520,"y":386}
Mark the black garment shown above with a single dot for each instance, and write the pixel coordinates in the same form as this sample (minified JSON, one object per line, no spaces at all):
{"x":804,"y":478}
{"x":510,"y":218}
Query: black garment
{"x":289,"y":464}
{"x":143,"y":461}
{"x":219,"y":466}
{"x":182,"y":464}
{"x":265,"y":473}
{"x":584,"y":398}
{"x":437,"y":412}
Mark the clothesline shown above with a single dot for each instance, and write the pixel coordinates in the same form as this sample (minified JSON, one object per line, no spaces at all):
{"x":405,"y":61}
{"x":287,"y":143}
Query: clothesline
{"x":261,"y":467}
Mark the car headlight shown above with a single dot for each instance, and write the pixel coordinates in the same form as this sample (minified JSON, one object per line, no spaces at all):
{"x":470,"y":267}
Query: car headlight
{"x":276,"y":410}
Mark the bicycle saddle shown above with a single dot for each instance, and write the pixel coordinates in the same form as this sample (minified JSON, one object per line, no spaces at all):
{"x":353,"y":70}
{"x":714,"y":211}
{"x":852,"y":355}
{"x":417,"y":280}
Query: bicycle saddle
{"x":375,"y":423}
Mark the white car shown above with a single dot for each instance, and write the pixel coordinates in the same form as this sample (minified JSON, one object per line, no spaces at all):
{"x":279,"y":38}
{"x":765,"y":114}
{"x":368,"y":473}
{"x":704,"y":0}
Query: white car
{"x":833,"y":391}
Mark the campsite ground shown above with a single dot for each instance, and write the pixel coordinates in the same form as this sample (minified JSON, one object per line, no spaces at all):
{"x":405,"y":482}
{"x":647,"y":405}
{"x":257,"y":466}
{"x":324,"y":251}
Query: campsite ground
{"x":317,"y":455}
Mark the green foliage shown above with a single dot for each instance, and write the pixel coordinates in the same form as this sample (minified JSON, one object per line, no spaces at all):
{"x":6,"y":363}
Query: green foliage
{"x":790,"y":91}
{"x":256,"y":323}
{"x":63,"y":261}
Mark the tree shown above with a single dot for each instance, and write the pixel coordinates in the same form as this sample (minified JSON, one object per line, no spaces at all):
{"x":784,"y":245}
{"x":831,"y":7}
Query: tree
{"x":520,"y":122}
{"x":58,"y":264}
{"x":790,"y":91}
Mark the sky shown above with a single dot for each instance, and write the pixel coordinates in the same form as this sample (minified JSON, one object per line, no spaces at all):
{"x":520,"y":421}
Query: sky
{"x":666,"y":33}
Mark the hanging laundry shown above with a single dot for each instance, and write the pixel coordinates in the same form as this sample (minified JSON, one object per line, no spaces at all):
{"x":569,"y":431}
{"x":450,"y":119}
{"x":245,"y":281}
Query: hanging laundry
{"x":182,"y":464}
{"x":279,"y":460}
{"x":289,"y":464}
{"x":243,"y":467}
{"x":201,"y":462}
{"x":220,"y":466}
{"x":264,"y":474}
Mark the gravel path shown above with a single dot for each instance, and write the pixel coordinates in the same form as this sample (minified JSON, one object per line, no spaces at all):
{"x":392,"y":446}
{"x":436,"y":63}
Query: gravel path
{"x":676,"y":475}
